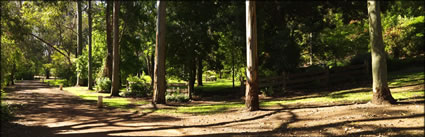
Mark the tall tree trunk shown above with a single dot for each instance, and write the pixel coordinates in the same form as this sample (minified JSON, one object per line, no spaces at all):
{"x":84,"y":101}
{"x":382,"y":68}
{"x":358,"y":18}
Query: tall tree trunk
{"x":381,"y":92}
{"x":233,"y":70}
{"x":191,"y":84}
{"x":12,"y":74}
{"x":107,"y":70}
{"x":199,"y":78}
{"x":79,"y":38}
{"x":116,"y":53}
{"x":251,"y":93}
{"x":90,"y":78}
{"x":159,"y":86}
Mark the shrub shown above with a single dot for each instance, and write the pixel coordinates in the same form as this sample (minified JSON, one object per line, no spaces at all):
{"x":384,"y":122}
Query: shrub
{"x":103,"y":85}
{"x":137,"y":87}
{"x":177,"y":97}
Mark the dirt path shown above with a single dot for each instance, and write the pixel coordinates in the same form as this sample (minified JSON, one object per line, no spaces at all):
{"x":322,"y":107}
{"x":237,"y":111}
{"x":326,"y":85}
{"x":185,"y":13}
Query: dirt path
{"x":44,"y":111}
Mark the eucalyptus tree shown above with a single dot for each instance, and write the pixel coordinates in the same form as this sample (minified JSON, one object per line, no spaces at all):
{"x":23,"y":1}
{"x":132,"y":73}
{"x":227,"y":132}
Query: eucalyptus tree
{"x":159,"y":85}
{"x":251,"y":93}
{"x":381,"y":92}
{"x":107,"y":70}
{"x":79,"y":38}
{"x":90,"y":76}
{"x":116,"y":54}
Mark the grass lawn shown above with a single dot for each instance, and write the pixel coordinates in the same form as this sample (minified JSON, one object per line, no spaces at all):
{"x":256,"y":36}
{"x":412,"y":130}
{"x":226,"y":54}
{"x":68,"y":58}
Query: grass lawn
{"x":217,"y":85}
{"x":118,"y":102}
{"x":396,"y":79}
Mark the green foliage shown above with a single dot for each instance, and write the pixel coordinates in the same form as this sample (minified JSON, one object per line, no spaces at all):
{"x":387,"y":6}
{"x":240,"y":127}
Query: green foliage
{"x":137,"y":87}
{"x":103,"y":85}
{"x":177,"y":97}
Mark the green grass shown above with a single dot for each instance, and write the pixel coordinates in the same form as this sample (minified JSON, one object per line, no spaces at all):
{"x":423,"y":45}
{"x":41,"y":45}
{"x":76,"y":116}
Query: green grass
{"x":403,"y":79}
{"x":396,"y":79}
{"x":117,"y":102}
{"x":217,"y":85}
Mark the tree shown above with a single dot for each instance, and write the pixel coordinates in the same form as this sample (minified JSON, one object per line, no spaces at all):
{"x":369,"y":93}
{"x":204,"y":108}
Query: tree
{"x":159,"y":70}
{"x":107,"y":70}
{"x":79,"y":38}
{"x":381,"y":92}
{"x":251,"y":94}
{"x":116,"y":54}
{"x":90,"y":77}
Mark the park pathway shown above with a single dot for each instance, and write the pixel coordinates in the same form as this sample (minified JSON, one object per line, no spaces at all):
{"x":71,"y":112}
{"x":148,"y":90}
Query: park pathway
{"x":44,"y":111}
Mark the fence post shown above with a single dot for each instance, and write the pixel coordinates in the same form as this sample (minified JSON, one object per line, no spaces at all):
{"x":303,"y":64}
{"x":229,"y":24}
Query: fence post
{"x":99,"y":101}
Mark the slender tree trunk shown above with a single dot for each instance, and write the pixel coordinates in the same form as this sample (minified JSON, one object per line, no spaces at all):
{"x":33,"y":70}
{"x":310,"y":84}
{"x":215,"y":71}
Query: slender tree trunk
{"x":251,"y":94}
{"x":233,"y":70}
{"x":116,"y":53}
{"x":191,"y":84}
{"x":159,"y":86}
{"x":79,"y":38}
{"x":107,"y":71}
{"x":199,"y":78}
{"x":90,"y":78}
{"x":12,"y":74}
{"x":381,"y":92}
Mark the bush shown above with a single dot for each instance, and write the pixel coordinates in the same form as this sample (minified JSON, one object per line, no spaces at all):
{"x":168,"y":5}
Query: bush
{"x":137,"y":87}
{"x":177,"y":97}
{"x":103,"y":85}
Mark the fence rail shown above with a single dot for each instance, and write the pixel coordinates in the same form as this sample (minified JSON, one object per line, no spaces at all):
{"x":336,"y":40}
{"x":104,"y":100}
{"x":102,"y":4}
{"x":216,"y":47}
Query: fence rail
{"x":317,"y":78}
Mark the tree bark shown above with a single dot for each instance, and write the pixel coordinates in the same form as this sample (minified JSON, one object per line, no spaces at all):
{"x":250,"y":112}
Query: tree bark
{"x":159,"y":86}
{"x":199,"y":78}
{"x":116,"y":53}
{"x":90,"y":78}
{"x":79,"y":38}
{"x":107,"y":71}
{"x":251,"y":93}
{"x":381,"y":92}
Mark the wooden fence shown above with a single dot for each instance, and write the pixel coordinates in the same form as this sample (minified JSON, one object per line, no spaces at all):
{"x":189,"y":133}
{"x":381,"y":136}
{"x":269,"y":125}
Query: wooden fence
{"x":315,"y":79}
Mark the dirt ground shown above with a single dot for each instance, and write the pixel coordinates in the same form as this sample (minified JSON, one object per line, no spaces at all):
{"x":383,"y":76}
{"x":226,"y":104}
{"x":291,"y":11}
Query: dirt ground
{"x":46,"y":111}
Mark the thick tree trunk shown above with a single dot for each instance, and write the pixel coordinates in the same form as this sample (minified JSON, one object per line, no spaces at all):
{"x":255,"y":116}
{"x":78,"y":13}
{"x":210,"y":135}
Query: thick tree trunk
{"x":381,"y":92}
{"x":107,"y":71}
{"x":251,"y":94}
{"x":159,"y":86}
{"x":116,"y":53}
{"x":90,"y":78}
{"x":199,"y":78}
{"x":79,"y":38}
